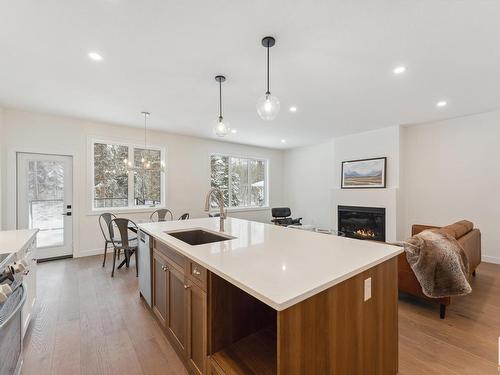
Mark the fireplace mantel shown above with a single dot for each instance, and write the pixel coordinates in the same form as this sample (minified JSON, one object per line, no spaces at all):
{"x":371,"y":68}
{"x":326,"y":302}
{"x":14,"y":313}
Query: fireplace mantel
{"x":388,"y":198}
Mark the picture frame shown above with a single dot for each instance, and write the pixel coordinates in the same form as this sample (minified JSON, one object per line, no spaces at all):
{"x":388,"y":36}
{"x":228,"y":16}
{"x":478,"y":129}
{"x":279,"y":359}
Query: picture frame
{"x":364,"y":173}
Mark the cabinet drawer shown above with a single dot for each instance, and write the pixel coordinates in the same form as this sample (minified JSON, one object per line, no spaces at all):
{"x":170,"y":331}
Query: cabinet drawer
{"x":176,"y":258}
{"x":197,"y":274}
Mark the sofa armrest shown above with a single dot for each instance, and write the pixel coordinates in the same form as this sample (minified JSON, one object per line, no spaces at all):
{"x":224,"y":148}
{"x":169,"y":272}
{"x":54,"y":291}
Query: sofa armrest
{"x":471,"y":243}
{"x":417,"y":228}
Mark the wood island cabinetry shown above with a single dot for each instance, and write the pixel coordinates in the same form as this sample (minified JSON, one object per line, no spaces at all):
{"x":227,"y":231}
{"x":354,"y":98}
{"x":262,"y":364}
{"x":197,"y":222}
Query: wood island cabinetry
{"x":180,"y":304}
{"x":219,"y":329}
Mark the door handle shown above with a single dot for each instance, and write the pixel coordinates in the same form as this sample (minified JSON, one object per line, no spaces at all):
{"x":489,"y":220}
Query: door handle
{"x":67,"y":214}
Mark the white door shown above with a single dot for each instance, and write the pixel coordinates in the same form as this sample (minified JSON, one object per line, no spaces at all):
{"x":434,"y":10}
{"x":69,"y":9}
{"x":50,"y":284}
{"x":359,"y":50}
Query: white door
{"x":45,"y":201}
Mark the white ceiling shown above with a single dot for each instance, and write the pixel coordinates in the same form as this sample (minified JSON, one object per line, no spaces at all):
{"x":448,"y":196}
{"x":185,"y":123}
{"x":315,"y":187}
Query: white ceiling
{"x":333,"y":60}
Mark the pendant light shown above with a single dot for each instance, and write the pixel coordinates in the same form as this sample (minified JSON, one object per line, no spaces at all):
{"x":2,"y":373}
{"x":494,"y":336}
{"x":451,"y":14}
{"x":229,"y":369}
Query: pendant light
{"x":268,"y":106}
{"x":146,"y":161}
{"x":221,"y":127}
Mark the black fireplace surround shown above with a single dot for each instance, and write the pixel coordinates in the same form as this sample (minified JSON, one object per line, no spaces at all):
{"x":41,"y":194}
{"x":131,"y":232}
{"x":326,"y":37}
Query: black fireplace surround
{"x":364,"y":223}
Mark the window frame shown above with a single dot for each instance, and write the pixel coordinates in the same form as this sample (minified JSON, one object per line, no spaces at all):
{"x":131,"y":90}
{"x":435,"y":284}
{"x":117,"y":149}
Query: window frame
{"x":131,"y":146}
{"x":266,"y":180}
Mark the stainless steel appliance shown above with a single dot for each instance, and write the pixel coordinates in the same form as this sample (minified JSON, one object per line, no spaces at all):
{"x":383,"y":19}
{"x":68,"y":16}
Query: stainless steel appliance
{"x":144,"y":254}
{"x":11,"y":324}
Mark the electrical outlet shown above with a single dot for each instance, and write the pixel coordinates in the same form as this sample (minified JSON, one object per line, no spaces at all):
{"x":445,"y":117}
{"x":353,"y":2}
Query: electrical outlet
{"x":368,"y":289}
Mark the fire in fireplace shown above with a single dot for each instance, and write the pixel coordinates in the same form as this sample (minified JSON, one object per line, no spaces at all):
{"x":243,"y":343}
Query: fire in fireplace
{"x":364,"y":223}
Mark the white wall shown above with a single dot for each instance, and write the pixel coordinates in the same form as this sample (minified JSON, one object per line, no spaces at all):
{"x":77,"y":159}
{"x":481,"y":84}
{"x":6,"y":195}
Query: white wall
{"x":372,"y":144}
{"x":452,"y":172}
{"x":1,"y":167}
{"x":308,"y":178}
{"x":312,"y":178}
{"x":187,"y":167}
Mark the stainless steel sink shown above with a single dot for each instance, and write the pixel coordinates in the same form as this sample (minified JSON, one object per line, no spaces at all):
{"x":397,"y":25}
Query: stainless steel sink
{"x":198,"y":236}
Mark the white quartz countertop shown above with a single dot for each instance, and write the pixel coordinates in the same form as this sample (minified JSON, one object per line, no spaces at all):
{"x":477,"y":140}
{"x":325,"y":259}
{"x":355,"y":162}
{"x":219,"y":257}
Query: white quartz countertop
{"x":277,"y":265}
{"x":12,"y":241}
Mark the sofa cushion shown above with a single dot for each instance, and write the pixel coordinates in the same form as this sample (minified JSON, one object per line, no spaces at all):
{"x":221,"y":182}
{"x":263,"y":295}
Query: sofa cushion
{"x":458,"y":229}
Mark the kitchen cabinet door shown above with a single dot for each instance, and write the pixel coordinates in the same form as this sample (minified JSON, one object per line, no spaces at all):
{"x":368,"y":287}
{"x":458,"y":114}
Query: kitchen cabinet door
{"x":197,"y":328}
{"x":160,"y":288}
{"x":177,"y":308}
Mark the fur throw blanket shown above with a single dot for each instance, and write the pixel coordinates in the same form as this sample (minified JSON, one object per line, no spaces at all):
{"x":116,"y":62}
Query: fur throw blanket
{"x":439,"y":263}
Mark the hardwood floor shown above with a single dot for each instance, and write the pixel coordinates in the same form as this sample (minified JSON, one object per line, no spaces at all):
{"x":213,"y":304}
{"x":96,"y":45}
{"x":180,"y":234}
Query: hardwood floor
{"x":88,"y":323}
{"x":466,"y":342}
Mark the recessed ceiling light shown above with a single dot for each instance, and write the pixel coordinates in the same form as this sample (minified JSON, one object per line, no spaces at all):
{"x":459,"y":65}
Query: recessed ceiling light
{"x":399,"y":70}
{"x":293,"y":109}
{"x":441,"y":103}
{"x":95,"y":56}
{"x":234,"y":131}
{"x":283,"y":141}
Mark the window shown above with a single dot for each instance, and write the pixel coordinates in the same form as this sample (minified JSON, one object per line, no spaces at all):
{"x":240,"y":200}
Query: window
{"x":117,"y":185}
{"x":242,"y":180}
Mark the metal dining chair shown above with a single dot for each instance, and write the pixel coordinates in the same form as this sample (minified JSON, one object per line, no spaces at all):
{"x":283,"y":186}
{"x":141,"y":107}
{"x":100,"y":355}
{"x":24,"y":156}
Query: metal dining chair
{"x":107,"y":231}
{"x":184,"y":216}
{"x":129,"y":246}
{"x":160,"y":215}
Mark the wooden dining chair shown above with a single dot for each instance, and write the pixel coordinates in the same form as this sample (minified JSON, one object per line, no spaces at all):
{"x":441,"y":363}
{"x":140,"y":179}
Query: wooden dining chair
{"x":184,"y":216}
{"x":161,"y":214}
{"x":129,"y":246}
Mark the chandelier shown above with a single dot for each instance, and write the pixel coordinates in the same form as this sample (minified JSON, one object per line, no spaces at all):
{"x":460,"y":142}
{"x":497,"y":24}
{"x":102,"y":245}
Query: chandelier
{"x":147,"y":161}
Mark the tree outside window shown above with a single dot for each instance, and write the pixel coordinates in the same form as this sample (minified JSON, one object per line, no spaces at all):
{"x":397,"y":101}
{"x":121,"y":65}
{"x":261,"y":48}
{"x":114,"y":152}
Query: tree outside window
{"x":115,"y":185}
{"x":242,"y":181}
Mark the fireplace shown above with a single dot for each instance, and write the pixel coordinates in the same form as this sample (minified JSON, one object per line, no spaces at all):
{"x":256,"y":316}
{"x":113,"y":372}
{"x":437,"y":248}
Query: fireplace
{"x":364,"y":223}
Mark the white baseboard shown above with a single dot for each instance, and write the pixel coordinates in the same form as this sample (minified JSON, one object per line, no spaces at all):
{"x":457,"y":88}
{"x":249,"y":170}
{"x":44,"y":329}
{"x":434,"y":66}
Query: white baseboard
{"x":488,"y":259}
{"x":91,"y":252}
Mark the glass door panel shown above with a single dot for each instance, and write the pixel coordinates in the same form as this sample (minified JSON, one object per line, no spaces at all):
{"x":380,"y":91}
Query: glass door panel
{"x":44,"y":201}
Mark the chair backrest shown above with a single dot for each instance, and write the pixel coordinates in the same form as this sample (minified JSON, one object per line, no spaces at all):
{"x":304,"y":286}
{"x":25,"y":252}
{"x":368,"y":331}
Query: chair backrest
{"x":107,"y":230}
{"x":281,"y":212}
{"x":123,"y":225}
{"x":184,"y":216}
{"x":160,"y":215}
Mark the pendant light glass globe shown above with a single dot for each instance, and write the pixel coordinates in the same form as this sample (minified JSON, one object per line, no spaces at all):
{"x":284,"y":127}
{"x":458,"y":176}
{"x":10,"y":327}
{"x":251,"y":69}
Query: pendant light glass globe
{"x":221,"y":128}
{"x":268,"y":107}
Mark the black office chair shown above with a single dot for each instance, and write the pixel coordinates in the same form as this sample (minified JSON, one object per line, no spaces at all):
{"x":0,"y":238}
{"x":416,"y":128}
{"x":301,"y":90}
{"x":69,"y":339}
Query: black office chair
{"x":161,"y":215}
{"x":184,"y":216}
{"x":281,"y":216}
{"x":128,"y":246}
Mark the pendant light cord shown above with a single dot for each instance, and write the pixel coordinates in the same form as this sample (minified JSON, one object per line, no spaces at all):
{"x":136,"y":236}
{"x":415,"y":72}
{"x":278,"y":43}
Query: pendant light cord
{"x":220,"y":99}
{"x":268,"y":92}
{"x":145,"y":116}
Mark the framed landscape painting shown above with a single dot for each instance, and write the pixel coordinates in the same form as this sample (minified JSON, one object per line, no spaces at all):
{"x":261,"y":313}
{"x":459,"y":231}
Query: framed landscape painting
{"x":363,"y":174}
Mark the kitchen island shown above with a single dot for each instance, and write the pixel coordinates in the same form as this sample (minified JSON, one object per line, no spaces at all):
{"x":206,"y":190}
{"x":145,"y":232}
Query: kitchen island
{"x":264,"y":299}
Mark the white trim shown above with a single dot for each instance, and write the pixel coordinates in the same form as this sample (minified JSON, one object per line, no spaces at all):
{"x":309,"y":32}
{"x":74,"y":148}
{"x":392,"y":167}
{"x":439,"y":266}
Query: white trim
{"x":93,"y":252}
{"x":124,"y":210}
{"x":266,"y":179}
{"x":11,"y":188}
{"x":241,"y":209}
{"x":22,"y":158}
{"x":131,"y":144}
{"x":490,"y":259}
